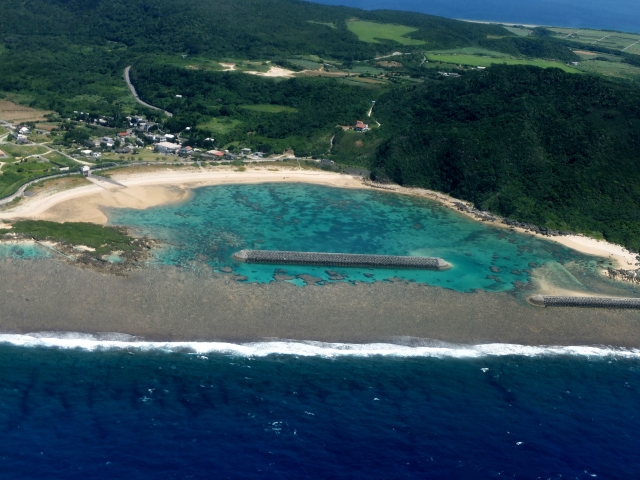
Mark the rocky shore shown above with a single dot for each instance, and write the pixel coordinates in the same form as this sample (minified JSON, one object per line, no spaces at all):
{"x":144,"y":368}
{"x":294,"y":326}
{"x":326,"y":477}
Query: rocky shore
{"x":632,"y":276}
{"x":114,"y":263}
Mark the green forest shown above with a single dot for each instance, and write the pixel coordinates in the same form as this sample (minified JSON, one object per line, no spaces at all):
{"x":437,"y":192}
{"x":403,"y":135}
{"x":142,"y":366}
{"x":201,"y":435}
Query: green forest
{"x":542,"y":146}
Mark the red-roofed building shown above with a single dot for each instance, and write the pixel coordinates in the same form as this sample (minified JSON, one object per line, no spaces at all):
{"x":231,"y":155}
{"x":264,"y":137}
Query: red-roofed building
{"x":2,"y":154}
{"x":123,"y":134}
{"x":215,"y":153}
{"x":361,"y":127}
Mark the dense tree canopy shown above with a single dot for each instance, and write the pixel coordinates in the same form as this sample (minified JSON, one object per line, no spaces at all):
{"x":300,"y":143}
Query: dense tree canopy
{"x":539,"y":145}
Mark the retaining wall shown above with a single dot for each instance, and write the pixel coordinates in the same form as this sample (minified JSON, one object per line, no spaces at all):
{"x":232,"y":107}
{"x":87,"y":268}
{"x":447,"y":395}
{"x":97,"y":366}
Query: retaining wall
{"x":340,"y":259}
{"x":585,"y":302}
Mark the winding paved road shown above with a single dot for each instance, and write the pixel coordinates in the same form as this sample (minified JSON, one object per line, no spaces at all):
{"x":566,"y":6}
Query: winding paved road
{"x":135,"y":94}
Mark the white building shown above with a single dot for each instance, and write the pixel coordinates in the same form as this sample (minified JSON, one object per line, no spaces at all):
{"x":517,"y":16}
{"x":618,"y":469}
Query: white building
{"x":86,"y":171}
{"x":166,"y":147}
{"x":96,"y":154}
{"x":86,"y":153}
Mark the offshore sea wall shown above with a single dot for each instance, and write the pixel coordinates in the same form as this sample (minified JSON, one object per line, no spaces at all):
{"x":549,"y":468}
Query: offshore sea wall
{"x":340,"y":259}
{"x":584,"y":302}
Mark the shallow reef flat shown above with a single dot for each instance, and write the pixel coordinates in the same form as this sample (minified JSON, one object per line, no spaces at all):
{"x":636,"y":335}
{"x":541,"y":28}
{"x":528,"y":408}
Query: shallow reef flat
{"x":174,"y":304}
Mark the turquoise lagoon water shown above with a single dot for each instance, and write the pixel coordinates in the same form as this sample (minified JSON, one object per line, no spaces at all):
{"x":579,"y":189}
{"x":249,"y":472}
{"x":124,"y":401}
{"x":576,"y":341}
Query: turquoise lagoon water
{"x":218,"y":221}
{"x":26,"y":250}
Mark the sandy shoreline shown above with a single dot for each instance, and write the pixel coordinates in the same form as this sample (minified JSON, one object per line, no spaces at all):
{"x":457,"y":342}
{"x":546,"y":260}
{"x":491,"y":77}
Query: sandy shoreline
{"x":146,"y":189}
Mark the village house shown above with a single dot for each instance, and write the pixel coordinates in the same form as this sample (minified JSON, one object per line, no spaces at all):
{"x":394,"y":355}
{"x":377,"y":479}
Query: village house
{"x":245,"y":151}
{"x":22,"y":139}
{"x":361,"y":127}
{"x":86,"y":171}
{"x":166,"y":147}
{"x":24,"y":131}
{"x":186,"y":150}
{"x":215,"y":154}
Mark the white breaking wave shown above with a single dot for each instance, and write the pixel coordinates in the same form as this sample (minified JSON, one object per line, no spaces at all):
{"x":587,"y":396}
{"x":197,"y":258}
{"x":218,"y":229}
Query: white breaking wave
{"x":415,"y":348}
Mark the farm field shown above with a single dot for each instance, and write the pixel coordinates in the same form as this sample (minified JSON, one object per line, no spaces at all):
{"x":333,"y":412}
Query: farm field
{"x":12,"y":112}
{"x":372,"y":32}
{"x":610,"y":39}
{"x":611,"y":69}
{"x":269,"y":108}
{"x":483,"y":61}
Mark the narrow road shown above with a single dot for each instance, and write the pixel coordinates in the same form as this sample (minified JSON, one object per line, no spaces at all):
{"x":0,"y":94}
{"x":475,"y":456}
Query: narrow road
{"x":135,"y":94}
{"x":630,"y":45}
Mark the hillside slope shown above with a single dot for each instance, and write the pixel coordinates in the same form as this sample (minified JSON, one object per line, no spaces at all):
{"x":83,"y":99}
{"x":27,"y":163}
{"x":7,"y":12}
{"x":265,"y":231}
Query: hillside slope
{"x":541,"y":146}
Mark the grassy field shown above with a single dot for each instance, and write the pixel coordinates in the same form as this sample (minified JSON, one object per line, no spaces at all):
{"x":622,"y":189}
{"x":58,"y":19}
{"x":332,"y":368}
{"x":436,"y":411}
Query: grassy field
{"x":371,"y":32}
{"x":366,"y":69}
{"x":60,"y":160}
{"x":19,"y":151}
{"x":520,"y":31}
{"x":269,"y":108}
{"x":305,"y":63}
{"x":192,"y":63}
{"x":484,"y":61}
{"x":361,"y":82}
{"x":611,"y":69}
{"x":355,"y":147}
{"x":220,"y":125}
{"x":59,"y":184}
{"x":604,"y":38}
{"x":103,"y":239}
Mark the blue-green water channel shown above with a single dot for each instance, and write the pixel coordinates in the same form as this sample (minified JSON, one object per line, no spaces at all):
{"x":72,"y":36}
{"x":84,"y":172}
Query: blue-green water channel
{"x":218,"y":221}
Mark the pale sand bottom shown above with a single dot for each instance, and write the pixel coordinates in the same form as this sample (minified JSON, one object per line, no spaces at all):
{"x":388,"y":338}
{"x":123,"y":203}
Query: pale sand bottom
{"x":147,"y":189}
{"x":174,"y":304}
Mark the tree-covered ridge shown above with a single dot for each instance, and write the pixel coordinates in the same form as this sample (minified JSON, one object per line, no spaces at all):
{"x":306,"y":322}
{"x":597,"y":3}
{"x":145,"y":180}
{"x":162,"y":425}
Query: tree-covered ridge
{"x":541,"y":146}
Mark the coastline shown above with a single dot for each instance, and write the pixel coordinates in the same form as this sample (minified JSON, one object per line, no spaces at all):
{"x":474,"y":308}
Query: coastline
{"x":144,"y":189}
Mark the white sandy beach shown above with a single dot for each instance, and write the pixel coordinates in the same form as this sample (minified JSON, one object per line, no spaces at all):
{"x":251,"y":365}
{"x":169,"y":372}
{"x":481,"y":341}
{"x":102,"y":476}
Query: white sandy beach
{"x":145,"y":189}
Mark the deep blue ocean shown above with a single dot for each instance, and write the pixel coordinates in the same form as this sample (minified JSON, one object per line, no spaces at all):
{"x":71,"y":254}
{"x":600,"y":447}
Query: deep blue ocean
{"x":134,"y":413}
{"x":82,"y":406}
{"x":622,"y":15}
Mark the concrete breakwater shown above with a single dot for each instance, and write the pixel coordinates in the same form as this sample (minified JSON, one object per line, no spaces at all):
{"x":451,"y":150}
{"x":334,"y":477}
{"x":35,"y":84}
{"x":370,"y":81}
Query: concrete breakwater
{"x":339,"y":259}
{"x":584,"y":302}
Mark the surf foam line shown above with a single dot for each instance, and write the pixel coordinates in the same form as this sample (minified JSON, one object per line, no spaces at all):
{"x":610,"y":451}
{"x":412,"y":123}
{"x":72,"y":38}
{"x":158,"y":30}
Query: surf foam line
{"x":418,"y":348}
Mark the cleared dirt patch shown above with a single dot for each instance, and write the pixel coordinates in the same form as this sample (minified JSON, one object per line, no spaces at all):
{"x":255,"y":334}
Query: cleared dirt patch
{"x":585,"y":52}
{"x":385,"y":63}
{"x":12,"y":112}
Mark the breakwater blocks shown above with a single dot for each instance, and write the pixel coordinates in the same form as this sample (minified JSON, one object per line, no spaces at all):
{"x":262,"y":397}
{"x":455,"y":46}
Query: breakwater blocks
{"x":584,"y":302}
{"x":340,"y":259}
